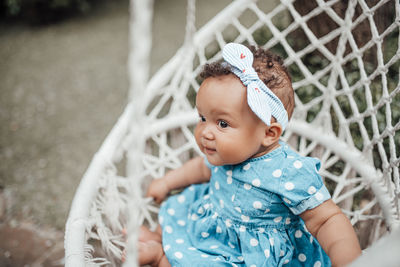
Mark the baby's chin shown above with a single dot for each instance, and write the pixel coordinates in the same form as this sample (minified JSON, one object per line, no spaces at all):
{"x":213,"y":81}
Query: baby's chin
{"x":220,"y":162}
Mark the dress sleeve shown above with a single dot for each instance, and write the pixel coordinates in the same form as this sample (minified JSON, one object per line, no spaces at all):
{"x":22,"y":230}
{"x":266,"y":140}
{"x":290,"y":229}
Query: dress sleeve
{"x":301,"y":187}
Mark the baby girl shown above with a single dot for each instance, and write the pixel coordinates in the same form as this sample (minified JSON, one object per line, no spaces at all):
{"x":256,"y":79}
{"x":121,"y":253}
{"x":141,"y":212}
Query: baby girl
{"x":250,"y":200}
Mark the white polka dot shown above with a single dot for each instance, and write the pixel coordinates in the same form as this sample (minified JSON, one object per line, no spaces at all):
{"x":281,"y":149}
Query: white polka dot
{"x":229,"y":173}
{"x":204,"y":255}
{"x":275,"y":231}
{"x":278,"y":219}
{"x":247,"y":166}
{"x":215,"y":215}
{"x":261,"y":230}
{"x":298,"y":234}
{"x":257,"y":205}
{"x":213,"y":246}
{"x":256,"y":182}
{"x":317,"y":264}
{"x":287,"y":221}
{"x":240,"y":258}
{"x":206,"y":197}
{"x":200,"y":210}
{"x":290,"y":157}
{"x":228,"y":223}
{"x":194,"y":217}
{"x":319,"y":196}
{"x":268,"y":159}
{"x":167,"y":247}
{"x":179,"y":241}
{"x":302,"y":257}
{"x":277,"y":173}
{"x":271,"y":241}
{"x":181,"y":223}
{"x":238,"y":209}
{"x":282,"y":253}
{"x":297,"y":164}
{"x":233,"y":198}
{"x":311,"y":190}
{"x":168,"y":229}
{"x":215,"y":169}
{"x":191,"y":188}
{"x":179,"y":255}
{"x":221,"y":203}
{"x":247,"y":186}
{"x":253,"y":265}
{"x":219,"y":230}
{"x":287,"y":200}
{"x":229,"y":180}
{"x":267,"y":210}
{"x":191,"y":248}
{"x":171,"y":212}
{"x":205,"y":234}
{"x":231,"y":245}
{"x":245,"y":218}
{"x":253,"y":242}
{"x":206,"y":206}
{"x":242,"y":229}
{"x":181,"y":199}
{"x":267,"y":253}
{"x":289,"y":186}
{"x":216,"y":185}
{"x":286,"y":261}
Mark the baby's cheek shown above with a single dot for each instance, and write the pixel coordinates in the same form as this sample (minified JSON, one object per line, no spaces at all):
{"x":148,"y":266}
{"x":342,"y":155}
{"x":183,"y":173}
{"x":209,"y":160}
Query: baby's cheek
{"x":230,"y":152}
{"x":197,"y":135}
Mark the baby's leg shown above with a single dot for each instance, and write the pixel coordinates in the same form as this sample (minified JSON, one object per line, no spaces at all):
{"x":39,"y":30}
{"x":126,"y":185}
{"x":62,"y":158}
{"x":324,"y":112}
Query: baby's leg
{"x":145,"y":234}
{"x":151,"y":253}
{"x":150,"y":248}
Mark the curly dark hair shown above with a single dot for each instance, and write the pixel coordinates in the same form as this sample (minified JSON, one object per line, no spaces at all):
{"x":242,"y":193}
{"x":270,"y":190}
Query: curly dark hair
{"x":269,"y":68}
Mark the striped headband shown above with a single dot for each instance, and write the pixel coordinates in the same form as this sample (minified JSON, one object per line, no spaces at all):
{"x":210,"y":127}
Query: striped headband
{"x":261,"y":100}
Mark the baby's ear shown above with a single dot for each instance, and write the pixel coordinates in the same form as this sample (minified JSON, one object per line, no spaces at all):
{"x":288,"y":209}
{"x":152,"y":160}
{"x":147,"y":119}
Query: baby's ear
{"x":272,"y":134}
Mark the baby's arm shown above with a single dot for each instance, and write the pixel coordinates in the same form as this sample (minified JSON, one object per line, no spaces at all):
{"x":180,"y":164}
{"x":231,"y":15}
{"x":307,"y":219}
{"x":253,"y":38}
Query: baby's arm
{"x":334,"y":232}
{"x":194,"y":171}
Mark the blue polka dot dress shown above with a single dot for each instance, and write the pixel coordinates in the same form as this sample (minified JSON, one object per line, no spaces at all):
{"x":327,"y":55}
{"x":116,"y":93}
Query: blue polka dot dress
{"x":247,"y":215}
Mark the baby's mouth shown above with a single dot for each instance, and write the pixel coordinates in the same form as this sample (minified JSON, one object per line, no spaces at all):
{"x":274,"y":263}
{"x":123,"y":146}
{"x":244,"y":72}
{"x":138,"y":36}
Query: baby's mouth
{"x":208,"y":150}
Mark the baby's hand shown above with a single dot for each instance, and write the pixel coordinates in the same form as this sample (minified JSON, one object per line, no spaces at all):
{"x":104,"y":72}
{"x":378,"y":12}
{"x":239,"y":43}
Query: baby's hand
{"x":158,"y":190}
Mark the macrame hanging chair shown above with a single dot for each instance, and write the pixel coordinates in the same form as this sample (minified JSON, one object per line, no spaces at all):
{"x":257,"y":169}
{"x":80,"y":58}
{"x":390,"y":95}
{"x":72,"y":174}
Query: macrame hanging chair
{"x":347,"y":114}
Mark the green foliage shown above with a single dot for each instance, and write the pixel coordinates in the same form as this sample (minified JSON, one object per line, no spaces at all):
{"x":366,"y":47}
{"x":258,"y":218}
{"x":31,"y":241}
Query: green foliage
{"x":43,"y":11}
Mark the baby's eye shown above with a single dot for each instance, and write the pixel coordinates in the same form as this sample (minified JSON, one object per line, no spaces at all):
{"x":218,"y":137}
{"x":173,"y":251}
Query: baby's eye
{"x":202,"y":118}
{"x":223,"y":124}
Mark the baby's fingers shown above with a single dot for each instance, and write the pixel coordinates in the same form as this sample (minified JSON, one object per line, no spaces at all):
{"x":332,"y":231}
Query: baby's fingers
{"x":158,"y":199}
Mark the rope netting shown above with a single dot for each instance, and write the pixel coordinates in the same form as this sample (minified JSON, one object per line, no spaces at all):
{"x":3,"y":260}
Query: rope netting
{"x":344,"y":59}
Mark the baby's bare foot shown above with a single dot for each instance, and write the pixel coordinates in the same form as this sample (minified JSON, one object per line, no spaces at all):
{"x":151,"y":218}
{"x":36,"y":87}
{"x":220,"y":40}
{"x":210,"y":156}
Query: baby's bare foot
{"x":150,"y":252}
{"x":145,"y":235}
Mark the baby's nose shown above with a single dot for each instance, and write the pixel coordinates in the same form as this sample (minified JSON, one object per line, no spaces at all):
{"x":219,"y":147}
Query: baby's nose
{"x":208,"y":133}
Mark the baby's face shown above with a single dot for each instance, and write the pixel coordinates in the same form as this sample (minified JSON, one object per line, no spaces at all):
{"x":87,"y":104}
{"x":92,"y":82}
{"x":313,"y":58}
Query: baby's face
{"x":228,"y":132}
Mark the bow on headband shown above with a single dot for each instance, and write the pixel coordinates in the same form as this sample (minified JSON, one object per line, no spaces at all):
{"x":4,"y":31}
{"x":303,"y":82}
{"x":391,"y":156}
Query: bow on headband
{"x":262,"y":101}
